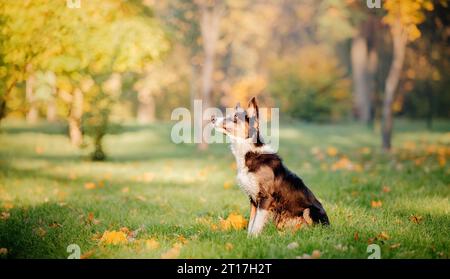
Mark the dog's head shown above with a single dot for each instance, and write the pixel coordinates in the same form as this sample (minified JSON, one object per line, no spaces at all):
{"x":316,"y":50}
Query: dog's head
{"x":241,"y":123}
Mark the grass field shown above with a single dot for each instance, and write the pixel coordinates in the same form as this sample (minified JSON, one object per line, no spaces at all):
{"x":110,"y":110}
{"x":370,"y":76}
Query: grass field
{"x":157,"y":199}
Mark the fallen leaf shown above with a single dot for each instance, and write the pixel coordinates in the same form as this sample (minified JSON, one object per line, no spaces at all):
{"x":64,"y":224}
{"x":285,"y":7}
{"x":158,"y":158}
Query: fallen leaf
{"x":125,"y":190}
{"x":41,"y":232}
{"x":356,"y":236}
{"x":417,"y":219}
{"x":3,"y":251}
{"x":314,"y":255}
{"x":227,"y":185}
{"x":114,"y":237}
{"x":89,"y":185}
{"x":173,"y":252}
{"x":376,"y":204}
{"x":55,"y":225}
{"x":234,"y":221}
{"x":383,"y":236}
{"x":91,"y":219}
{"x":141,"y":198}
{"x":4,"y":215}
{"x":332,"y":151}
{"x":151,"y":244}
{"x":386,"y":189}
{"x":395,"y":246}
{"x":87,"y":255}
{"x":229,"y":246}
{"x":292,"y":245}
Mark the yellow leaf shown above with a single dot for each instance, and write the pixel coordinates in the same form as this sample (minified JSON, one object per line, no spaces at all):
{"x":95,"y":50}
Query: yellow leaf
{"x":383,"y":235}
{"x":332,"y":151}
{"x":227,"y":185}
{"x":173,"y":252}
{"x":114,"y":237}
{"x":376,"y":204}
{"x":125,"y":190}
{"x":234,"y":221}
{"x":89,"y":185}
{"x":229,"y":246}
{"x":151,"y":244}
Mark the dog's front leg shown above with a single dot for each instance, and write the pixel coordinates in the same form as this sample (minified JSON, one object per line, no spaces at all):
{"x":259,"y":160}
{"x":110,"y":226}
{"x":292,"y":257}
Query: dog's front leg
{"x":252,"y":216}
{"x":260,"y":220}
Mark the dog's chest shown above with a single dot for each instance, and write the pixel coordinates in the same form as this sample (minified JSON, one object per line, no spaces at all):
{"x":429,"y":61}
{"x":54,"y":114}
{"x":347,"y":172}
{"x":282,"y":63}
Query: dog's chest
{"x":248,"y":183}
{"x":246,"y":180}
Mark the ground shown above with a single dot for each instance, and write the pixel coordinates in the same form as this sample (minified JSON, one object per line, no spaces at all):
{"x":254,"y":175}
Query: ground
{"x":154,"y":199}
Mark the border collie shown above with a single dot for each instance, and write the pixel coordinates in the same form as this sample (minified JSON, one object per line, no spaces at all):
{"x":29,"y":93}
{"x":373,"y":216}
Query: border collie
{"x":274,"y":191}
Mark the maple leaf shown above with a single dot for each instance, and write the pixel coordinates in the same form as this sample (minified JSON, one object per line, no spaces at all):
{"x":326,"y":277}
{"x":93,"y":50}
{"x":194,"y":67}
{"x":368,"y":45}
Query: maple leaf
{"x":114,"y":237}
{"x":234,"y":221}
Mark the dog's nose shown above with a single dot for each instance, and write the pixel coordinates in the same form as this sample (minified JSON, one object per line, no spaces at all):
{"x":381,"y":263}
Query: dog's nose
{"x":213,"y":119}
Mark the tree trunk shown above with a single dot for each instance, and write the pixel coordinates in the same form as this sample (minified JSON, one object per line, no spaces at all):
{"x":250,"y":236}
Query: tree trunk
{"x":76,"y":112}
{"x":399,"y":38}
{"x":359,"y":57}
{"x":51,"y":108}
{"x":210,"y":19}
{"x":33,"y":113}
{"x":429,"y":90}
{"x":2,"y":107}
{"x":146,"y":107}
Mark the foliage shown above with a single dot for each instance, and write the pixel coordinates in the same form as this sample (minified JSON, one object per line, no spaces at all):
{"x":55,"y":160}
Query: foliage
{"x":312,"y":86}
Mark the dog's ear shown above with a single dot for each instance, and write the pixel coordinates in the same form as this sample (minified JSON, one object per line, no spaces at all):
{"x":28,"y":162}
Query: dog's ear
{"x":238,"y":106}
{"x":252,"y":109}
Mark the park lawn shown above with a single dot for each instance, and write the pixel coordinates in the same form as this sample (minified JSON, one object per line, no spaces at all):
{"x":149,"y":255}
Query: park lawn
{"x":168,"y":200}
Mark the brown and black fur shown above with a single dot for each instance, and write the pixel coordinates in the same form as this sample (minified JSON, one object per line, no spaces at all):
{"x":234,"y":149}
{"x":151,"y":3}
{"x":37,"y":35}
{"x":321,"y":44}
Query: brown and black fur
{"x":282,"y":192}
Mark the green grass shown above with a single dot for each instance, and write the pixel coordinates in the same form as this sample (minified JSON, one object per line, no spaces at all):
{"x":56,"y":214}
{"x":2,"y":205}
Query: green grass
{"x":45,"y":205}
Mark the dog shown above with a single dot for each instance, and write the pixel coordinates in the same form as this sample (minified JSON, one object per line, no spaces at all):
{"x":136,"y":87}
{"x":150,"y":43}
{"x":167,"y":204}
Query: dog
{"x":274,"y":191}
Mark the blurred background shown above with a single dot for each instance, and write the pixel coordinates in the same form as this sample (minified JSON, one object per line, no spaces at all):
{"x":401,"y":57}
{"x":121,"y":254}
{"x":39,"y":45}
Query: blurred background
{"x":94,"y":64}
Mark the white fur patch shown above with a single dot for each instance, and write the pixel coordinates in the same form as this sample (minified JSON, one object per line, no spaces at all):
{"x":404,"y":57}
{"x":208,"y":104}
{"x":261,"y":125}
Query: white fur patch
{"x":247,"y":181}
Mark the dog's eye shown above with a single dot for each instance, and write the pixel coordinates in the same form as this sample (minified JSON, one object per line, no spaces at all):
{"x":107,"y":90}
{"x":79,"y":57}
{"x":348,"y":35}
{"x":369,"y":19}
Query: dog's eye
{"x":235,"y":119}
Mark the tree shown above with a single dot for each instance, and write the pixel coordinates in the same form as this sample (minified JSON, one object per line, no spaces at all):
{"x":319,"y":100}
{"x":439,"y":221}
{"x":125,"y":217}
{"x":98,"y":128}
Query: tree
{"x":85,"y":48}
{"x":402,"y":17}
